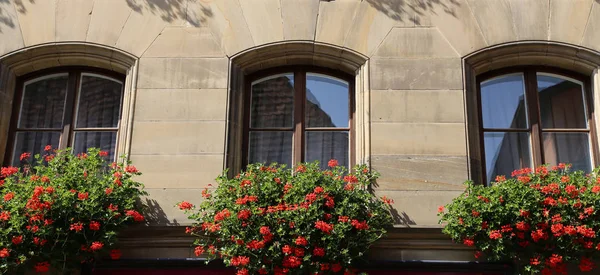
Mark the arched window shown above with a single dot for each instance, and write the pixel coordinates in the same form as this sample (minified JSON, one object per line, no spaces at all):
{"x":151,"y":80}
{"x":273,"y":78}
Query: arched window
{"x":299,"y":114}
{"x":66,"y":107}
{"x":532,"y":116}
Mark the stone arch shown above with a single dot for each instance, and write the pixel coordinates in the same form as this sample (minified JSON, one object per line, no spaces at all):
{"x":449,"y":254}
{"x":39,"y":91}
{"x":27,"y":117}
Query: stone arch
{"x":522,"y":53}
{"x":293,"y":53}
{"x":31,"y":59}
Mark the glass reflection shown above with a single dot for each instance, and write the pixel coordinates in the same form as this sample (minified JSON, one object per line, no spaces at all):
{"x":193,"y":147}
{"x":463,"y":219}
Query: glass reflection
{"x":99,"y":102}
{"x":561,"y":103}
{"x":505,"y":152}
{"x":269,"y":147}
{"x":272,"y":102}
{"x":105,"y":141}
{"x":34,"y":143}
{"x":43,"y":102}
{"x":573,"y":148}
{"x":327,"y":101}
{"x":503,"y":102}
{"x":323,"y":146}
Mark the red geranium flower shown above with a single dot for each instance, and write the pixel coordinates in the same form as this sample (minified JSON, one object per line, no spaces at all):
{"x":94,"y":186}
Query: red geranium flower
{"x":184,"y":205}
{"x":24,"y":156}
{"x":17,"y":239}
{"x":94,"y":225}
{"x":96,"y":246}
{"x":115,"y":254}
{"x":83,"y":196}
{"x":332,"y":163}
{"x":4,"y":253}
{"x":42,"y":267}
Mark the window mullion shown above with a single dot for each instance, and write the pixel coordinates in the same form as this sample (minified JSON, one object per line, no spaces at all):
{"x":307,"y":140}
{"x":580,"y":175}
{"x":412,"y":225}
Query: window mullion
{"x":533,"y":111}
{"x":299,"y":95}
{"x":69,"y":109}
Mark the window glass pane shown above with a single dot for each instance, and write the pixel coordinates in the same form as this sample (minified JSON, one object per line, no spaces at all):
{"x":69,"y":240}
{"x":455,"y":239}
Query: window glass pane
{"x":34,"y":143}
{"x":327,"y":101}
{"x":272,"y":102}
{"x":99,"y":102}
{"x":43,"y":102}
{"x":269,"y":147}
{"x":503,"y":102}
{"x":506,"y":152}
{"x":323,"y":146}
{"x":573,"y":148}
{"x":561,"y":102}
{"x":106,"y":141}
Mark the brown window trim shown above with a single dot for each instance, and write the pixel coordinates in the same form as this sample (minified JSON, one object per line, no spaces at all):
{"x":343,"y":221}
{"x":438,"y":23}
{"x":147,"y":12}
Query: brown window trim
{"x":299,"y":116}
{"x":74,"y":74}
{"x":533,"y":111}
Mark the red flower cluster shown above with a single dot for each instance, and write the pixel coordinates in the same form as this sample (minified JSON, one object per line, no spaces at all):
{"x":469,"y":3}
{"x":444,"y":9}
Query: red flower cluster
{"x":555,"y":224}
{"x":284,"y":220}
{"x":184,"y":205}
{"x":135,"y":215}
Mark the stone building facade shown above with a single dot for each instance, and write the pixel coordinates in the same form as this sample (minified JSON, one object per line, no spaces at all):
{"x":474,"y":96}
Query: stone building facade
{"x":414,"y":69}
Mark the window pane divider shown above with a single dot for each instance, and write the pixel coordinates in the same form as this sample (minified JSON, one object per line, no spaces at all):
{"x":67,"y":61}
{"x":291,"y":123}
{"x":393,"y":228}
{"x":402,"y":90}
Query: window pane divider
{"x":272,"y":129}
{"x":327,"y":129}
{"x":563,"y":130}
{"x":39,"y":130}
{"x":507,"y":130}
{"x":95,"y":129}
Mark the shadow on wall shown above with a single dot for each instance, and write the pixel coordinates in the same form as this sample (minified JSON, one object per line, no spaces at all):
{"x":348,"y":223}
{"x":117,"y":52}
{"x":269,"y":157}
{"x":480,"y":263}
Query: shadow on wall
{"x":155,"y":215}
{"x":400,"y":218}
{"x":191,"y":11}
{"x":171,"y":10}
{"x":413,"y":10}
{"x":5,"y":20}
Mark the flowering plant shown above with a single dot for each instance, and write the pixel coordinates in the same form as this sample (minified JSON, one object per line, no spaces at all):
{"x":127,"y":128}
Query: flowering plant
{"x":59,"y":210}
{"x":541,"y":220}
{"x":271,"y":220}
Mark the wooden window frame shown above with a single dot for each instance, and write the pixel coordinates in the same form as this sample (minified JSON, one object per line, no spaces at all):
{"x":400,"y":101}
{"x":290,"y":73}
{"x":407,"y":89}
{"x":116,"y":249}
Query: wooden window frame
{"x":533,"y":114}
{"x":299,"y":123}
{"x":71,"y":99}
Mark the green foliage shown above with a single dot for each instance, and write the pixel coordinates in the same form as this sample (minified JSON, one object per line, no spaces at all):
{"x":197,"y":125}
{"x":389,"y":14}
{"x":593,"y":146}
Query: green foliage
{"x":63,"y":210}
{"x":271,"y":220}
{"x":541,"y":220}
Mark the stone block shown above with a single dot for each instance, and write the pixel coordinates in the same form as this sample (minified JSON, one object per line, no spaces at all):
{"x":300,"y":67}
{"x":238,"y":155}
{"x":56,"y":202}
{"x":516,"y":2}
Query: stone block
{"x":139,"y":31}
{"x":591,"y":37}
{"x":73,"y":19}
{"x":369,"y":27}
{"x":10,"y":31}
{"x":392,"y":254}
{"x":161,"y":204}
{"x":530,"y":19}
{"x":37,"y":20}
{"x":418,"y":139}
{"x":331,"y":22}
{"x":186,"y":73}
{"x":107,"y":21}
{"x":180,"y":104}
{"x":178,"y":171}
{"x":227,"y":23}
{"x":299,"y":19}
{"x":495,"y":20}
{"x":456,"y":22}
{"x":416,"y":74}
{"x":415,"y":43}
{"x":417,"y":106}
{"x":263,"y":18}
{"x":418,"y":208}
{"x":185,"y":42}
{"x":420,"y":172}
{"x":184,"y":137}
{"x":568,"y":20}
